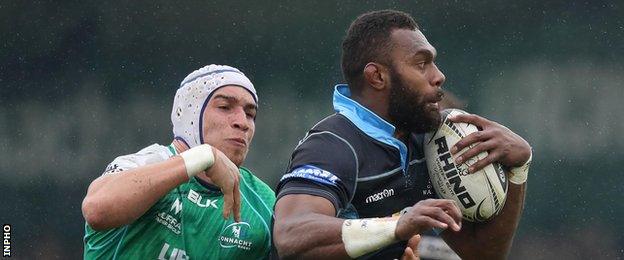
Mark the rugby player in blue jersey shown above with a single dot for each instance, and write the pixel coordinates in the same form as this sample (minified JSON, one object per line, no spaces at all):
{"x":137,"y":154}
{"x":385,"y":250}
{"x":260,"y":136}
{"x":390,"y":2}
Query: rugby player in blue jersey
{"x":357,"y":185}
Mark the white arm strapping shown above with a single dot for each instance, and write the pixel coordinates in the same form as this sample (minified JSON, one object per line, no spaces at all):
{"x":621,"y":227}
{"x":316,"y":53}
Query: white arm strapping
{"x":520,"y":174}
{"x":197,"y":159}
{"x":362,"y":236}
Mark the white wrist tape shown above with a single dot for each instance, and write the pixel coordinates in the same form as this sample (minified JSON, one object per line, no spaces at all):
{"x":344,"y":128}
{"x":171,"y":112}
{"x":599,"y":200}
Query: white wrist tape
{"x":197,"y":159}
{"x":362,"y":236}
{"x":520,"y":174}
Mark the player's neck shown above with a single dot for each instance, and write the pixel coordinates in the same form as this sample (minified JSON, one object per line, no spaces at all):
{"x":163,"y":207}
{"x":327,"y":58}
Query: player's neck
{"x":374,"y":102}
{"x":379,"y":105}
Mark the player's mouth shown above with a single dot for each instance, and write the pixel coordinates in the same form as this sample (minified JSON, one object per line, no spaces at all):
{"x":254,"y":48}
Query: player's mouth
{"x":237,"y":142}
{"x":435,"y":103}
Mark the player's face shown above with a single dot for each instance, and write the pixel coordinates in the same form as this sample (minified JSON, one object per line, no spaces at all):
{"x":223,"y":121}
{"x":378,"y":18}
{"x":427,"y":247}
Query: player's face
{"x":229,"y":122}
{"x":415,"y":83}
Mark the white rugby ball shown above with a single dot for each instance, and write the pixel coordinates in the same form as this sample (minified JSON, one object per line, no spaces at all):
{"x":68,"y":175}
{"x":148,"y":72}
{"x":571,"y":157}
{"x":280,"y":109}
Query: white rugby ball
{"x":480,"y":195}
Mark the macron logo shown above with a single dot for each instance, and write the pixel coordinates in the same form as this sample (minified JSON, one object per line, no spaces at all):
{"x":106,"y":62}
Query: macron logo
{"x":380,"y":195}
{"x":177,"y":205}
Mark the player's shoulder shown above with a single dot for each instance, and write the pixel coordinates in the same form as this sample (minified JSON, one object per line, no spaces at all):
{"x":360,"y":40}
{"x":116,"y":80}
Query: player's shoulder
{"x":252,"y":182}
{"x":148,"y":155}
{"x":335,"y":123}
{"x":334,"y":137}
{"x":333,"y":129}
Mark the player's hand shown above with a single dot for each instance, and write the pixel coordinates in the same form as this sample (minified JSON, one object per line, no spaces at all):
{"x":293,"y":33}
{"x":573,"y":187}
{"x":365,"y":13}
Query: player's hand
{"x":411,"y":251}
{"x":503,"y":145}
{"x":224,"y":174}
{"x":427,"y":214}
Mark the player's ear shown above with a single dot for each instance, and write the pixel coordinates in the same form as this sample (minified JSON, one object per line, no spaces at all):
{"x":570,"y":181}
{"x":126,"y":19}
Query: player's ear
{"x":376,"y":75}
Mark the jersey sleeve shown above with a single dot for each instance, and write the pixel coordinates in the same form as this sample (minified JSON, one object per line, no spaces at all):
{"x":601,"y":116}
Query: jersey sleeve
{"x":325,"y":165}
{"x":148,"y":155}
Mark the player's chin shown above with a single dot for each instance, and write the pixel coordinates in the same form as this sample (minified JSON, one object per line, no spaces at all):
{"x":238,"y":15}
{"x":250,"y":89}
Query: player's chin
{"x":430,"y":123}
{"x":237,"y":156}
{"x":433,"y":118}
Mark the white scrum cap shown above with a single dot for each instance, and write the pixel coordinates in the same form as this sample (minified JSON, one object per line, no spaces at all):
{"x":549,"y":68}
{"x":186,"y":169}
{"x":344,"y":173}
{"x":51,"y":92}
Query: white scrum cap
{"x":193,"y":96}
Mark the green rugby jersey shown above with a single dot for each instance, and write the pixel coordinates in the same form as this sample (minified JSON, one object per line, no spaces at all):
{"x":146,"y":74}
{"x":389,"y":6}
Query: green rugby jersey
{"x":187,"y":223}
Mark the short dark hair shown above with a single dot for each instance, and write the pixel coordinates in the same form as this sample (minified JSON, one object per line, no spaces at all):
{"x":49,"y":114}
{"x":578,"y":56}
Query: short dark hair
{"x":368,"y":39}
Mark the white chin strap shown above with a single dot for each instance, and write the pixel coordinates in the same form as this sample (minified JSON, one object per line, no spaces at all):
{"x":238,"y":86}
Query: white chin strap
{"x":192,"y":97}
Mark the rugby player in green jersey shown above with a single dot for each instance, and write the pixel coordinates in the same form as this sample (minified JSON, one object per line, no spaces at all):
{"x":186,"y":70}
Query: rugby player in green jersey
{"x":190,"y":199}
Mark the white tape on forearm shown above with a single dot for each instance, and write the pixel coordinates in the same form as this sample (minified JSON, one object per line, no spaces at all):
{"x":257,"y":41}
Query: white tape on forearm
{"x":362,"y":236}
{"x":197,"y":159}
{"x":520,"y":174}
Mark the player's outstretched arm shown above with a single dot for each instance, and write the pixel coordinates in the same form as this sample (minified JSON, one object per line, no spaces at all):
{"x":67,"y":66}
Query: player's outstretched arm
{"x":510,"y":150}
{"x":115,"y":200}
{"x":305,"y":227}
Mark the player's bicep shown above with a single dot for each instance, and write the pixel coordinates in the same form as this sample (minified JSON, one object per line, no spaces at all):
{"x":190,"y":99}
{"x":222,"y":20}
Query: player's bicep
{"x":113,"y":170}
{"x":121,"y":164}
{"x":294,"y":204}
{"x":102,"y":181}
{"x":148,"y":155}
{"x":293,"y":211}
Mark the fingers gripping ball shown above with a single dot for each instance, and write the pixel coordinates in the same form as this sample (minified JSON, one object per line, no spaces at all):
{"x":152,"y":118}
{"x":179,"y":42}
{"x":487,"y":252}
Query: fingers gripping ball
{"x":480,"y":195}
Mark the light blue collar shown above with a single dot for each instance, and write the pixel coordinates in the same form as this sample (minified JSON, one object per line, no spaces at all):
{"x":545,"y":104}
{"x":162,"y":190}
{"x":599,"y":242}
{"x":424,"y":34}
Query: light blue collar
{"x":367,"y":121}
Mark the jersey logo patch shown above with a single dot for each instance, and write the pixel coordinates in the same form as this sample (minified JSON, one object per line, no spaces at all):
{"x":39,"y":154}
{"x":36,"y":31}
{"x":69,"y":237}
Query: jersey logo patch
{"x":196,"y":198}
{"x":236,"y":235}
{"x":314,"y":174}
{"x":386,"y":193}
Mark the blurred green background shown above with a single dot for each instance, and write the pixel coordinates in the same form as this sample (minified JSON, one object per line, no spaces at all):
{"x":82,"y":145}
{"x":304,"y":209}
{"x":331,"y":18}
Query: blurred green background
{"x":83,"y":82}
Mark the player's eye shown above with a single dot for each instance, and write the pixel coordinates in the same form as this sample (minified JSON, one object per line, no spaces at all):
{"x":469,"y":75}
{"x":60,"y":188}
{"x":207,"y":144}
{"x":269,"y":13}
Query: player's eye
{"x":251,"y":115}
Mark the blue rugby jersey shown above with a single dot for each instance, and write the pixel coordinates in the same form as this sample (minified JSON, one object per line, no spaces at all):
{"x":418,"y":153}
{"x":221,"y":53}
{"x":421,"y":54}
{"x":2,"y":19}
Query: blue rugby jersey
{"x":352,"y":159}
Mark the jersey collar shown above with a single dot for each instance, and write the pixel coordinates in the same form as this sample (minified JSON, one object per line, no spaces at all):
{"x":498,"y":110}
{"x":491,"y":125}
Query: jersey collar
{"x":172,"y":150}
{"x":367,"y":121}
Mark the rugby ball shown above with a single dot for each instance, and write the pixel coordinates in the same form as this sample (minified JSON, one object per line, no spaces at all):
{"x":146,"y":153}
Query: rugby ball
{"x":480,"y":195}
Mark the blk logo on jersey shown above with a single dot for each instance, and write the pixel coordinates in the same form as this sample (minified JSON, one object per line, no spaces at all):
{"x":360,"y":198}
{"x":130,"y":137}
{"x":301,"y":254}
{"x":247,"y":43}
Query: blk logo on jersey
{"x":196,"y":198}
{"x":236,"y":235}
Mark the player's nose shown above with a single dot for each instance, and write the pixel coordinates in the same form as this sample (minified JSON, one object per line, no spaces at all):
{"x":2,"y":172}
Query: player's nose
{"x":238,"y":120}
{"x":438,"y":78}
